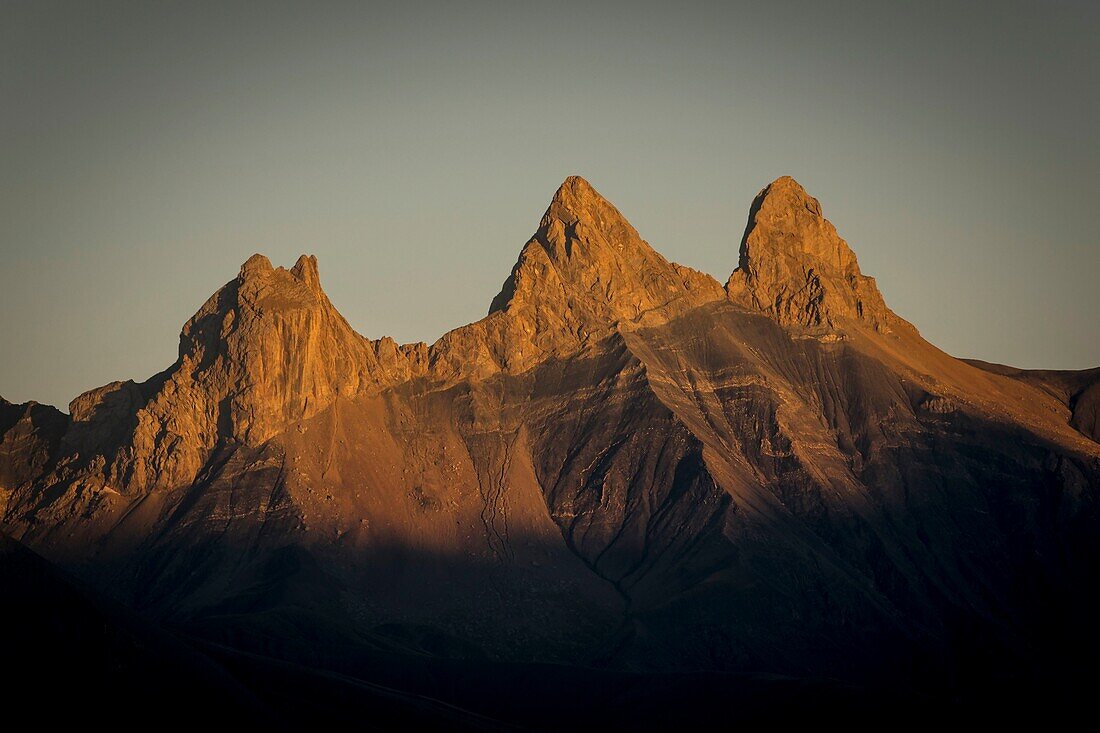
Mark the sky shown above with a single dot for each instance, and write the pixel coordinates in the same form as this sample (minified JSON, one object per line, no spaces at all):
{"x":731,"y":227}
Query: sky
{"x":147,"y":149}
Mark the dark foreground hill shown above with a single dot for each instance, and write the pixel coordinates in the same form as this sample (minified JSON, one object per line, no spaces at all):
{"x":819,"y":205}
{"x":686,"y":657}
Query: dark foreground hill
{"x":628,"y":488}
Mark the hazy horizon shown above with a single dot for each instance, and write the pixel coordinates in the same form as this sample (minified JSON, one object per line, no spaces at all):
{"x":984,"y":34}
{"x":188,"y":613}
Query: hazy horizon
{"x":148,"y":149}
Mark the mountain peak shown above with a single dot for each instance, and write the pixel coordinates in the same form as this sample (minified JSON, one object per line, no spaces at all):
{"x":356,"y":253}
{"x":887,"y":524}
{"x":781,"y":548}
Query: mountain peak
{"x":274,"y":343}
{"x":793,"y":264}
{"x":258,"y":268}
{"x":788,"y":185}
{"x":575,"y":191}
{"x":577,"y":204}
{"x":788,"y":220}
{"x":256,"y":264}
{"x":305,"y":269}
{"x":588,"y":263}
{"x":575,"y":186}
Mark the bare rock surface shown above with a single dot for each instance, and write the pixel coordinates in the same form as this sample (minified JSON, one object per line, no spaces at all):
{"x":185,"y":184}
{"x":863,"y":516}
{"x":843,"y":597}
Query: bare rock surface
{"x":794,"y":265}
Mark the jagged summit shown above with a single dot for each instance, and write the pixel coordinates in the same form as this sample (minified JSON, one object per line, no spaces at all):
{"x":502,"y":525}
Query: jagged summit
{"x":275,"y":346}
{"x":269,"y":348}
{"x":256,"y":264}
{"x":576,"y":200}
{"x":575,"y":188}
{"x":587,"y":263}
{"x":266,"y":349}
{"x":304,"y":271}
{"x":578,"y":214}
{"x":793,"y":223}
{"x":587,"y":259}
{"x":793,"y":264}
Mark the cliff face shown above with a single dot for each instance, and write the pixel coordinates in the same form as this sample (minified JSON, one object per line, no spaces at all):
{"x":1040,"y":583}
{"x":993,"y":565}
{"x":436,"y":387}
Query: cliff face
{"x":30,"y":436}
{"x":794,"y":266}
{"x":265,"y":350}
{"x":587,"y":268}
{"x":622,"y":465}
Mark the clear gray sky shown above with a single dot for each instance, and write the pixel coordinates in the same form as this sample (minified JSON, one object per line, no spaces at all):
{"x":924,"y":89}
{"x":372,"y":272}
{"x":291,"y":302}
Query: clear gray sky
{"x":146,"y":150}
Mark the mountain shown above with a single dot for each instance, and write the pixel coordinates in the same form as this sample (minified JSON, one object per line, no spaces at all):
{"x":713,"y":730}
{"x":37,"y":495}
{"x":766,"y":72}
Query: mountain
{"x":626,"y":469}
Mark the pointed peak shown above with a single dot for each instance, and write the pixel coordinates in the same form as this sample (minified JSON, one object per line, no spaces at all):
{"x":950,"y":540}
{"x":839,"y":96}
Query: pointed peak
{"x":577,"y":200}
{"x":786,"y":192}
{"x":305,"y":269}
{"x":793,"y":264}
{"x":275,"y":341}
{"x":581,"y":223}
{"x":785,"y":183}
{"x":257,"y":271}
{"x":786,"y":221}
{"x":575,"y":188}
{"x":586,"y":260}
{"x":256,"y":264}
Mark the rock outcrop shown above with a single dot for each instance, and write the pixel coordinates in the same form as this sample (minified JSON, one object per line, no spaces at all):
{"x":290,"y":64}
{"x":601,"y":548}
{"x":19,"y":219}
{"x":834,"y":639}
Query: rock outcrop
{"x":265,"y":350}
{"x":795,"y":266}
{"x":30,"y":436}
{"x":585,"y":271}
{"x":586,"y":267}
{"x":268,"y":349}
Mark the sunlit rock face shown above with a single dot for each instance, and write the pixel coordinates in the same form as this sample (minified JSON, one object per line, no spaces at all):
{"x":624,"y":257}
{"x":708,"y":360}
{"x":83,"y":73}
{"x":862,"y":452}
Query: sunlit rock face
{"x":794,"y":266}
{"x":623,"y":465}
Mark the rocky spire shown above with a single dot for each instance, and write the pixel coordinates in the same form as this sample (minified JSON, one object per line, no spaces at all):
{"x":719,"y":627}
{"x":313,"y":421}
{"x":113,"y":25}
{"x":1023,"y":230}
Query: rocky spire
{"x":271,"y":344}
{"x":590,"y":266}
{"x":795,"y":266}
{"x":266,"y":349}
{"x":305,"y":269}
